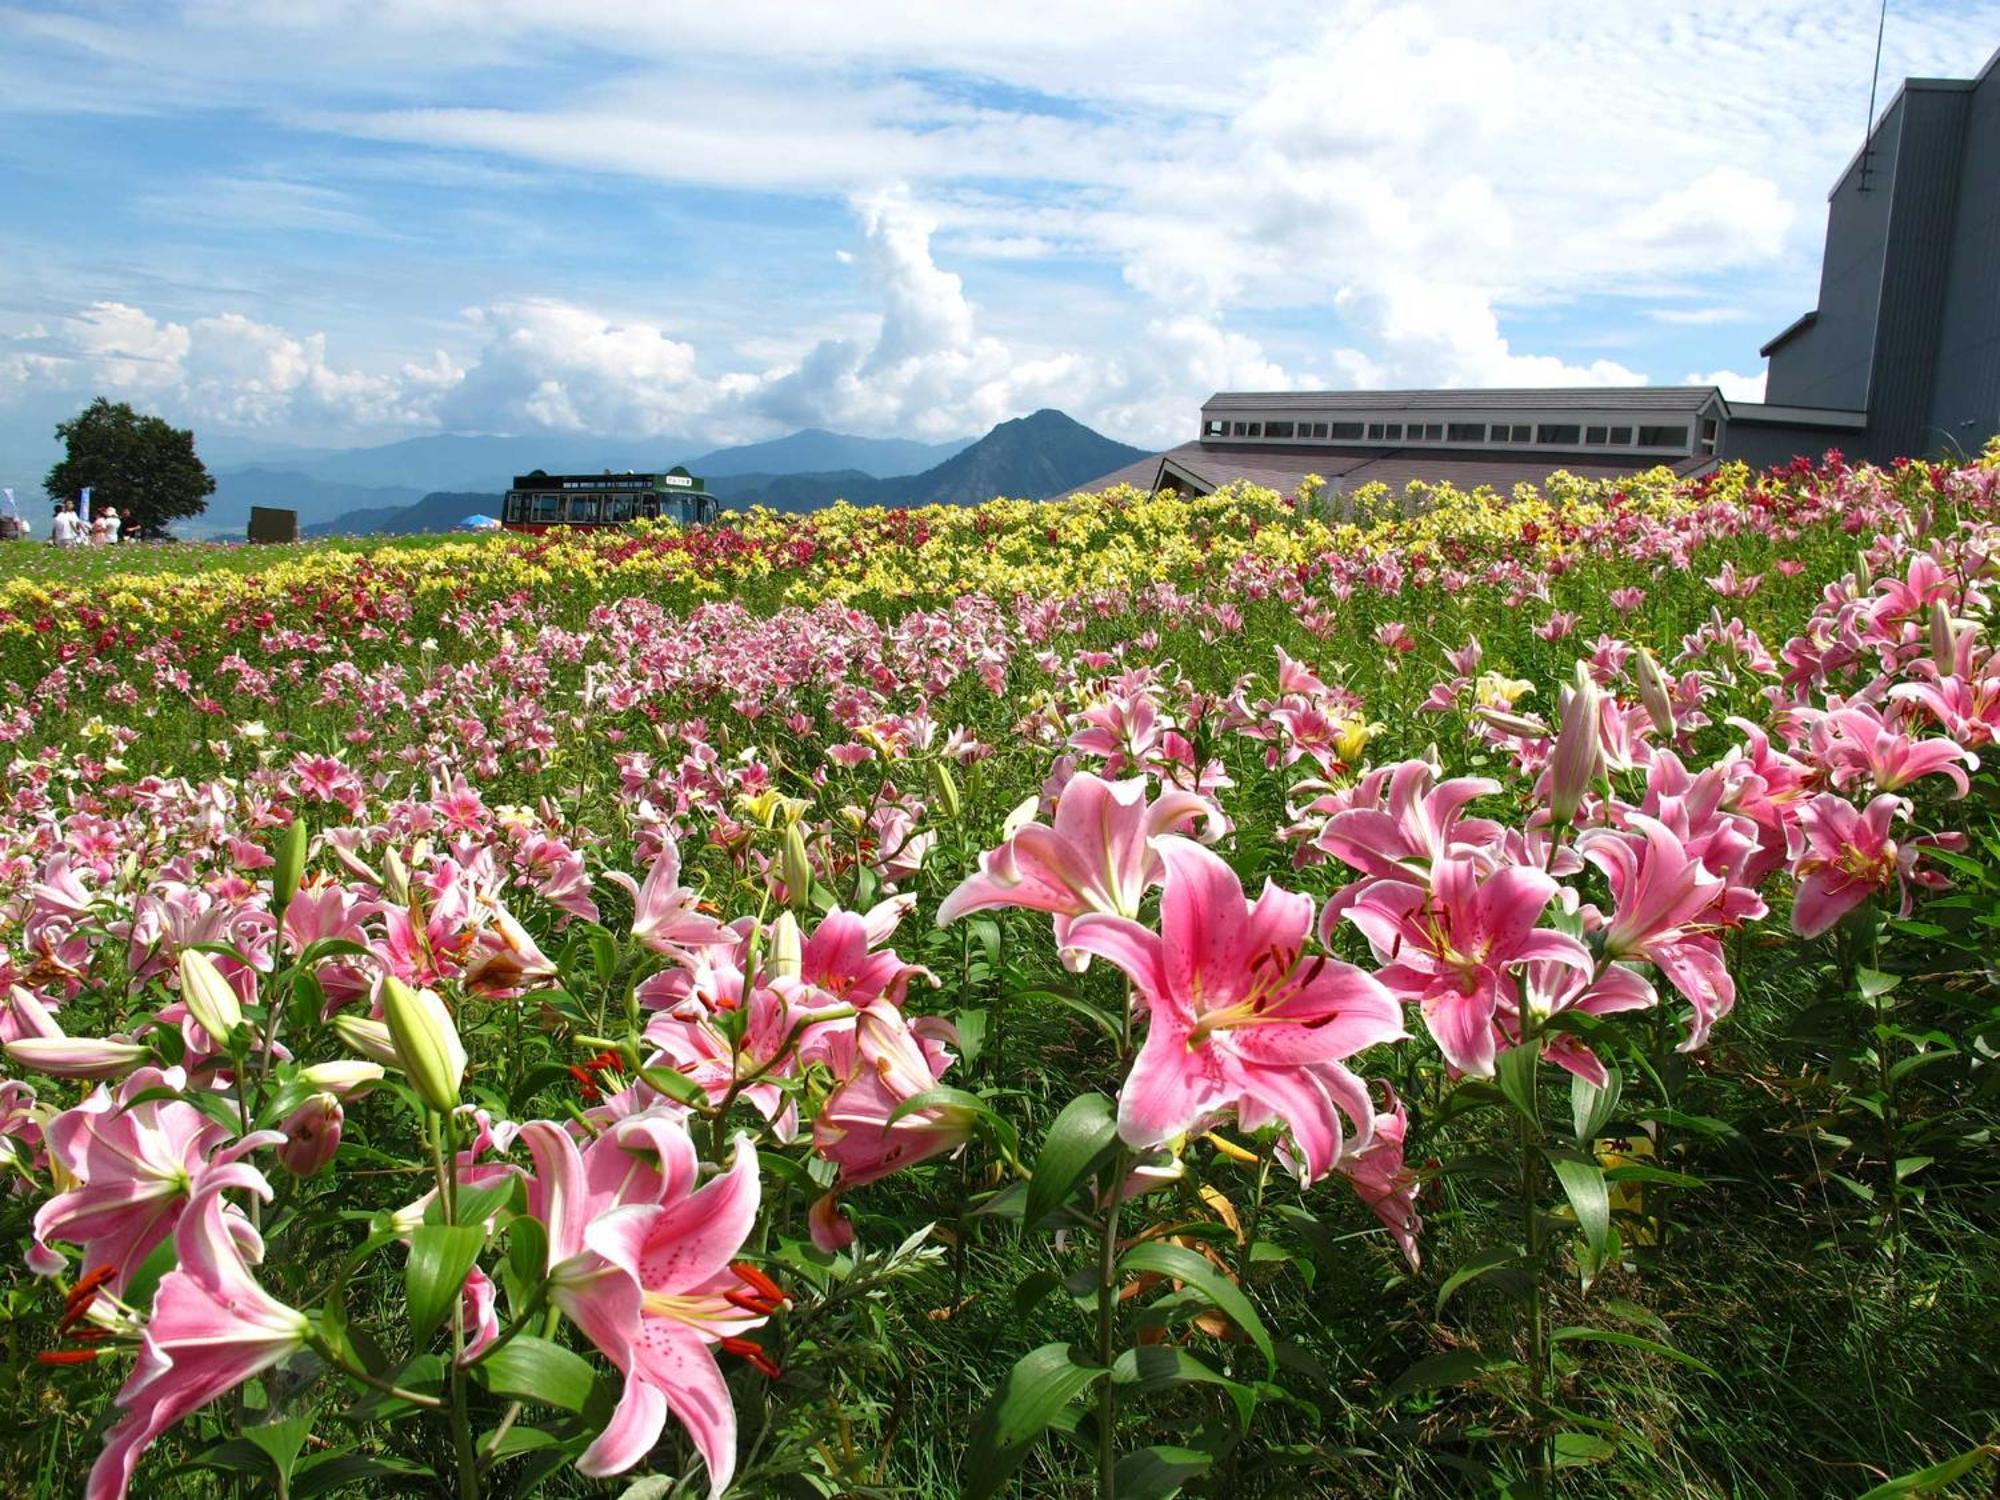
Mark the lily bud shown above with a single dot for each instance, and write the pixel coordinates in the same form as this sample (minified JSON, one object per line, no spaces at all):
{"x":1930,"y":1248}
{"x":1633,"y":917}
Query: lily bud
{"x":1944,"y":639}
{"x":427,"y":1046}
{"x":787,"y":959}
{"x":370,"y":1038}
{"x":1654,"y":693}
{"x":312,"y":1135}
{"x":795,"y":866}
{"x":395,"y":877}
{"x":1578,"y":753}
{"x":78,"y":1056}
{"x":210,"y":998}
{"x":344,"y":1078}
{"x":354,"y":864}
{"x":944,"y":788}
{"x":291,"y":865}
{"x":1525,"y":726}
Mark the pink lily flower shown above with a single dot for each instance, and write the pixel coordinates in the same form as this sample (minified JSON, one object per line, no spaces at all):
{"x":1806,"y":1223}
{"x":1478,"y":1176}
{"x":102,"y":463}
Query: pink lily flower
{"x":888,"y":1060}
{"x":212,"y":1328}
{"x":1381,"y":1180}
{"x":1236,"y":1019}
{"x":1849,"y":857}
{"x":1098,"y":856}
{"x":1410,"y":828}
{"x":1856,"y":742}
{"x":639,"y":1260}
{"x":134,"y":1168}
{"x":1450,"y":949}
{"x":666,"y":914}
{"x":1550,"y":989}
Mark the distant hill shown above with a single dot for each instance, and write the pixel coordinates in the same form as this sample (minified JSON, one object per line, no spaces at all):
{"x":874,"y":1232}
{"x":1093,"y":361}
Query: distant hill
{"x":316,"y":500}
{"x":465,"y":463}
{"x":1031,"y":457}
{"x":813,"y":450}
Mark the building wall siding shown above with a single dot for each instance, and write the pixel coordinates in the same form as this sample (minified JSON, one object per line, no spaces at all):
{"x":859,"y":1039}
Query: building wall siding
{"x":1965,"y":406}
{"x":1829,"y":364}
{"x":1915,"y":269}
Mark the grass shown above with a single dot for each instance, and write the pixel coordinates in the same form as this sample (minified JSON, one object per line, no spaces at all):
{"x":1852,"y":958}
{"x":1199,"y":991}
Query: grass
{"x":1816,"y":1365}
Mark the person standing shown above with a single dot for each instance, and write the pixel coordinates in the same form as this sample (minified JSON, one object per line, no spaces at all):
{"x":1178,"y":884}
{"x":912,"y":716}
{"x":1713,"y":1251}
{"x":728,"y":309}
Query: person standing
{"x":68,"y":528}
{"x":111,"y":525}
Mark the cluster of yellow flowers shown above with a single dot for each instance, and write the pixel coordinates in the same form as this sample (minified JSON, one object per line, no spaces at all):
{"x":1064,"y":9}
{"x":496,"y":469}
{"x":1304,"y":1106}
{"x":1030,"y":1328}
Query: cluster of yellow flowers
{"x":1043,"y":549}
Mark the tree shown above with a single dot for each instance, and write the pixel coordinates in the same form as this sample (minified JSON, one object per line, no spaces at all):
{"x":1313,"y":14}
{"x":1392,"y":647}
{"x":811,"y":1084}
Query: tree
{"x":141,"y":464}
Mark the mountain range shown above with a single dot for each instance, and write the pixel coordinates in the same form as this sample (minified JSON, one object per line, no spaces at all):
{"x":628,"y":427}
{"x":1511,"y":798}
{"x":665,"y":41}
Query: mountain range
{"x":1044,"y":454}
{"x":329,"y":486}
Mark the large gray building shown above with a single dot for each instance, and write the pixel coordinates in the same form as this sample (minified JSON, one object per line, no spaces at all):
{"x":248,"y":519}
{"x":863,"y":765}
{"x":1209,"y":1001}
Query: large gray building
{"x":1901,"y":356}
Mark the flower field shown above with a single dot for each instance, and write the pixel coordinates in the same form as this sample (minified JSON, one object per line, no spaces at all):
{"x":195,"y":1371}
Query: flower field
{"x":1130,"y":996}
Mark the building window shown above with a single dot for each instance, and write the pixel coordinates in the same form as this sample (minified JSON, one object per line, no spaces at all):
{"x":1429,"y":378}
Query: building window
{"x":1520,"y":433}
{"x":1374,"y":432}
{"x":1558,"y":435}
{"x":1256,"y":429}
{"x":1278,"y":429}
{"x":1433,"y":432}
{"x":1596,"y":437}
{"x":1708,"y":435}
{"x":1621,"y":437}
{"x":1236,"y":429}
{"x":1346,"y":432}
{"x":548,"y":509}
{"x":1466,"y":432}
{"x":1663,"y":437}
{"x":1218,"y":428}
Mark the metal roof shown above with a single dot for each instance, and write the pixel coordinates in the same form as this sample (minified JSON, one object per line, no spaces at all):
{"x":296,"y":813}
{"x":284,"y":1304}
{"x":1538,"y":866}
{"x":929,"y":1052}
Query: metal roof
{"x":1639,"y":398}
{"x":1791,"y":331}
{"x":1282,"y":467}
{"x":1797,"y":416}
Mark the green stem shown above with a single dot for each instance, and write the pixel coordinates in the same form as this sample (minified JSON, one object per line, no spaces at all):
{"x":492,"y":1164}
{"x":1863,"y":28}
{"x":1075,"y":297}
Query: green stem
{"x":1541,"y":1462}
{"x":1107,"y":1330}
{"x":444,"y":1155}
{"x":1892,"y":1124}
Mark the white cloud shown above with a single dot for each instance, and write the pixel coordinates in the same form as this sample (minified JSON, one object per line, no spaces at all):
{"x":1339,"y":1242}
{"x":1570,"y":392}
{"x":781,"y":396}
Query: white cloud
{"x":1734,"y":387}
{"x":1380,"y":190}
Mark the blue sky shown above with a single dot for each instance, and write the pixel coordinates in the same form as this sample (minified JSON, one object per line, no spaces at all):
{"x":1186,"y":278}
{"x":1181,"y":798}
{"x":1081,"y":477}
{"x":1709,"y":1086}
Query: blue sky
{"x":334,"y":222}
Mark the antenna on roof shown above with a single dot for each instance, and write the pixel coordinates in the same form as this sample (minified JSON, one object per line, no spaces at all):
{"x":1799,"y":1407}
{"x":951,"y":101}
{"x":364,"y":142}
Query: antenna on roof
{"x":1868,"y":131}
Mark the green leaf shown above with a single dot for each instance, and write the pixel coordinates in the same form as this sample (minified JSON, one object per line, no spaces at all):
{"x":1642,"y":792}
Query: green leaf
{"x":1574,"y":1449}
{"x":1638,"y":1171}
{"x":1583,"y":1183}
{"x":1514,"y":1072}
{"x":1082,"y":1136}
{"x":1874,"y":983}
{"x":1097,"y":1017}
{"x":1458,"y":1367}
{"x":527,"y":1368}
{"x":1929,"y":1481}
{"x":1041,"y":1383}
{"x":1199,"y":1274}
{"x":942,"y":1096}
{"x":1156,"y":1472}
{"x":1028,"y":1295}
{"x":282,"y":1440}
{"x":1909,"y":1166}
{"x":334,"y":1471}
{"x":1591,"y":1107}
{"x":1503,"y":1258}
{"x":1629,"y":1341}
{"x":1153,"y":1367}
{"x":440,"y":1256}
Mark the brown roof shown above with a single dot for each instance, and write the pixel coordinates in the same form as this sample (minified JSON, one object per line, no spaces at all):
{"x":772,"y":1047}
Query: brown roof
{"x":1661,"y":398}
{"x":1282,"y":468}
